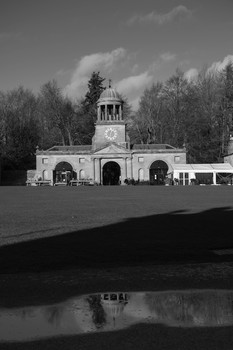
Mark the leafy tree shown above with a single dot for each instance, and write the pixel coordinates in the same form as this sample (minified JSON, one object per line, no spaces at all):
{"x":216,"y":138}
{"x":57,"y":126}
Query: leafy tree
{"x":95,"y":88}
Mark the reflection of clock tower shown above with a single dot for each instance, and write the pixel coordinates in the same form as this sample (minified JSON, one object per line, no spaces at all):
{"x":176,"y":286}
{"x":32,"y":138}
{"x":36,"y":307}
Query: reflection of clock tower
{"x":110,"y":125}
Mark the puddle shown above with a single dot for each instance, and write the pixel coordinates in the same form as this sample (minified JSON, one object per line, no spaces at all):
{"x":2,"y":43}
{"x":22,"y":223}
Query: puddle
{"x":118,"y":310}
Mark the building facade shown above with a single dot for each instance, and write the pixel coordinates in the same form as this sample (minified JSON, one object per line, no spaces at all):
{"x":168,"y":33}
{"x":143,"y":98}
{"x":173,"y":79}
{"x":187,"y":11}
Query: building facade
{"x":110,"y":159}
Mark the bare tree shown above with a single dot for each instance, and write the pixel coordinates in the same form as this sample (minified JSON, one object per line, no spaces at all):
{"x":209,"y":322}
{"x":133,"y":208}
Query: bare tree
{"x":148,"y":124}
{"x":18,"y":126}
{"x":58,"y":111}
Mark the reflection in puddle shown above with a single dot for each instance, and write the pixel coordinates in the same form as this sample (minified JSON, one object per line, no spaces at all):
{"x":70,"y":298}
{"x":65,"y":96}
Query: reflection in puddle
{"x":114,"y":311}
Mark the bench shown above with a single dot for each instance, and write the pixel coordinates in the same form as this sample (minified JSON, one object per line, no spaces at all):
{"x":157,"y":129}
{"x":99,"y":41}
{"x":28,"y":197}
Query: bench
{"x":38,"y":183}
{"x":81,"y":183}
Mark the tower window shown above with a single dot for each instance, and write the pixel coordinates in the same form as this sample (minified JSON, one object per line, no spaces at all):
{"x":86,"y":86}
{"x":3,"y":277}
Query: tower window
{"x":45,"y":160}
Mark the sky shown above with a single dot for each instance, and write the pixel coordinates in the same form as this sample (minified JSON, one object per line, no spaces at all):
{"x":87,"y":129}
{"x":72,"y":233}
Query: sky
{"x":135,"y":43}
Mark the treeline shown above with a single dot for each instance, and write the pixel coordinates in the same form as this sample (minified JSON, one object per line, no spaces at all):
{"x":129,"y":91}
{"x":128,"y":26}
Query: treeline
{"x":196,"y":113}
{"x":28,"y":121}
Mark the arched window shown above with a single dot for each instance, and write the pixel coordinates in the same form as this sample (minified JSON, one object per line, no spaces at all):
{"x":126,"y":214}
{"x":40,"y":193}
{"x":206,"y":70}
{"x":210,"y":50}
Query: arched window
{"x":140,"y":174}
{"x":82,"y":174}
{"x":45,"y":175}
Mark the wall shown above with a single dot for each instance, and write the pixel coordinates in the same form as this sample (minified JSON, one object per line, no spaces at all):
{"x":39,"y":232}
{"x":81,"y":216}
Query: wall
{"x":74,"y":160}
{"x":149,"y":158}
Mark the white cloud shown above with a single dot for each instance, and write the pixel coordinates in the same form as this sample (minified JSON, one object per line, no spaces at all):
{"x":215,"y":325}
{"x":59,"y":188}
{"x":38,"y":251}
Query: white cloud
{"x":135,"y":103}
{"x":134,"y":83}
{"x":98,"y":61}
{"x":167,"y":57}
{"x":218,"y":66}
{"x":130,"y":84}
{"x":191,"y":74}
{"x":161,"y":18}
{"x":133,"y":86}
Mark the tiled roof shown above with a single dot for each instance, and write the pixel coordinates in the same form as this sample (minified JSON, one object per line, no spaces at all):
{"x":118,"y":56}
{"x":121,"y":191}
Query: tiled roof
{"x":151,"y":146}
{"x":70,"y":148}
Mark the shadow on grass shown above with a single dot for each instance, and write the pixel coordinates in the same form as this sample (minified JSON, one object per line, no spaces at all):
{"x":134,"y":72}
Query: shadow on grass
{"x":143,"y":337}
{"x":164,"y":238}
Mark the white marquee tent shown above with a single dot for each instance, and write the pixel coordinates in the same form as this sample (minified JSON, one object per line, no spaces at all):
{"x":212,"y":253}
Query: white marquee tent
{"x":206,"y":174}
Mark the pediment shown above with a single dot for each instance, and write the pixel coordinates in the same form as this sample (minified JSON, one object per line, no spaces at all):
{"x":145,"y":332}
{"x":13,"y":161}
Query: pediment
{"x":112,"y":149}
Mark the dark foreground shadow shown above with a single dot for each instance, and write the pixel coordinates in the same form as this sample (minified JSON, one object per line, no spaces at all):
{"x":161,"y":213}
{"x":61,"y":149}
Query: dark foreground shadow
{"x":138,"y":338}
{"x":165,"y":238}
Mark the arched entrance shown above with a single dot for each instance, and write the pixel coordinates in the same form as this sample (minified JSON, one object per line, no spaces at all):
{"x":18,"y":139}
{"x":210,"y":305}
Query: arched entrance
{"x":158,"y":172}
{"x":111,"y":174}
{"x":63,"y":173}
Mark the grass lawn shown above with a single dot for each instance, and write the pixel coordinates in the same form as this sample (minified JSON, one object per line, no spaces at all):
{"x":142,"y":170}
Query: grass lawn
{"x":35,"y":212}
{"x":44,"y":228}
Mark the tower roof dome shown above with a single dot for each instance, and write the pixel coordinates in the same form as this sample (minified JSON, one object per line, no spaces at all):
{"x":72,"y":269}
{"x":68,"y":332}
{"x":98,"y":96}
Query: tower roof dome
{"x":110,"y":94}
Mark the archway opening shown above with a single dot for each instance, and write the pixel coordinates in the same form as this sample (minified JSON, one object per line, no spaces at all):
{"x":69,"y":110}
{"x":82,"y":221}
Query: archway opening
{"x":63,"y":173}
{"x":111,"y":174}
{"x":158,"y":172}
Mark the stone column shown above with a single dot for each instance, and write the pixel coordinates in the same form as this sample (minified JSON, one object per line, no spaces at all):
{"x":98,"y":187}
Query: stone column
{"x":101,"y":113}
{"x":126,"y":168}
{"x":100,"y":172}
{"x":131,"y":167}
{"x":51,"y":177}
{"x":98,"y":113}
{"x":120,"y":112}
{"x":97,"y":171}
{"x":123,"y":171}
{"x":93,"y":160}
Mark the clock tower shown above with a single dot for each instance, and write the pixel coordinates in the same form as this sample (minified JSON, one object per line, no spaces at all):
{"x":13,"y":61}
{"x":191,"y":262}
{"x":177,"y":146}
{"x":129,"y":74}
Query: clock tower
{"x":110,"y":125}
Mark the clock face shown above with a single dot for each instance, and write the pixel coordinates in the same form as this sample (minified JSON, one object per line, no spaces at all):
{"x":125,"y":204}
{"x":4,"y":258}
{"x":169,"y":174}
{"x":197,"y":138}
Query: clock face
{"x":110,"y":134}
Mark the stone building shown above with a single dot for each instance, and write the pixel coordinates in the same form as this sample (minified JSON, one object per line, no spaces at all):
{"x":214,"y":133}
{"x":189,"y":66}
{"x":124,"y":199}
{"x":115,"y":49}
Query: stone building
{"x":110,"y":159}
{"x":228,"y":158}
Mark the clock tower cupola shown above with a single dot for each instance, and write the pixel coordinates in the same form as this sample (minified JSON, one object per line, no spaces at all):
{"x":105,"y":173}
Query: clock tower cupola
{"x":110,"y":125}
